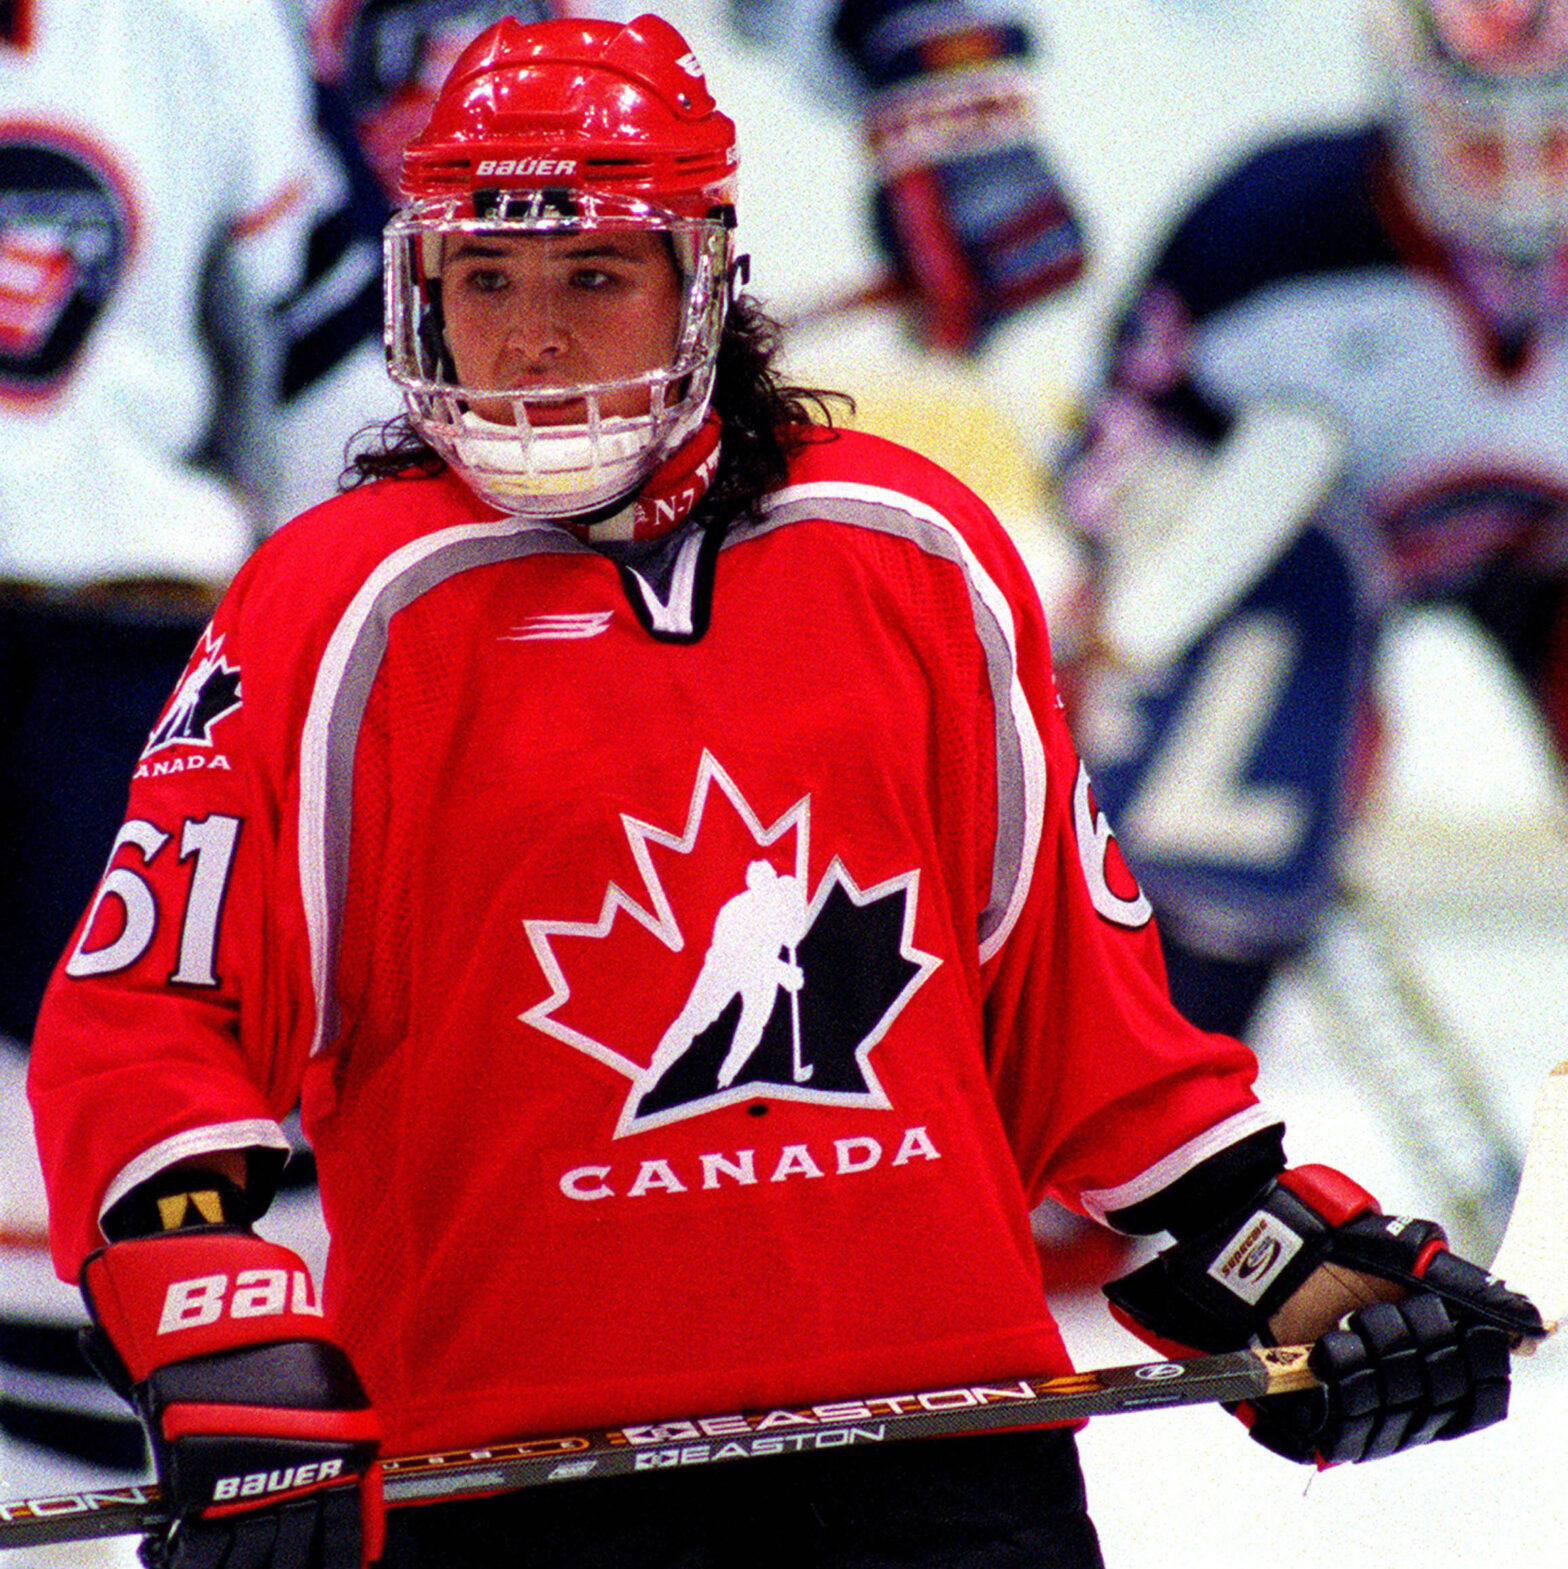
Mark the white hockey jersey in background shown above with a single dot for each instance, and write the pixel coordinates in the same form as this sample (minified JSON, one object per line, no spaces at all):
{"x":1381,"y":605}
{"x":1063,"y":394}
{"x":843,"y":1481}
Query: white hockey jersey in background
{"x":159,"y":178}
{"x":161,"y":182}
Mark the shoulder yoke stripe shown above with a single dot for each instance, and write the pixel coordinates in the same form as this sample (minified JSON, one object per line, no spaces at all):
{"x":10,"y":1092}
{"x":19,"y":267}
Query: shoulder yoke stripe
{"x":337,"y":708}
{"x":1020,"y":753}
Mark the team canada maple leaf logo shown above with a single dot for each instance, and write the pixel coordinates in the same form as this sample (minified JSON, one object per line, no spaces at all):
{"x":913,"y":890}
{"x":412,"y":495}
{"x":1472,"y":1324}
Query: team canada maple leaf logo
{"x":209,"y":689}
{"x":775,"y":989}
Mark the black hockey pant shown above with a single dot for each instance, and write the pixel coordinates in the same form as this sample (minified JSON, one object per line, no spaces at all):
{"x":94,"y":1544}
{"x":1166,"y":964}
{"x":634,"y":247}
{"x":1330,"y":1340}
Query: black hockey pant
{"x":1006,"y":1501}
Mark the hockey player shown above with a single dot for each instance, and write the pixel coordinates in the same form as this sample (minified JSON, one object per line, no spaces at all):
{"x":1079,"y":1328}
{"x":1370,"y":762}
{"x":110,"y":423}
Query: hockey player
{"x":86,"y":670}
{"x":133,"y":477}
{"x":1339,"y":390}
{"x":491,"y":745}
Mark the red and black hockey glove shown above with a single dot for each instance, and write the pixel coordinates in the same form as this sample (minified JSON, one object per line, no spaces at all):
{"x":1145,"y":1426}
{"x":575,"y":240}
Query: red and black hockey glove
{"x":1393,"y":1373}
{"x":264,"y":1441}
{"x":966,"y":208}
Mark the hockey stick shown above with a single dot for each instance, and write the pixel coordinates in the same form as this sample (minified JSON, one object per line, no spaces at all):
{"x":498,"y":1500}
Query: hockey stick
{"x":1393,"y":1034}
{"x":884,"y":290}
{"x":800,"y":1069}
{"x":932,"y":1413}
{"x":1534,"y":1256}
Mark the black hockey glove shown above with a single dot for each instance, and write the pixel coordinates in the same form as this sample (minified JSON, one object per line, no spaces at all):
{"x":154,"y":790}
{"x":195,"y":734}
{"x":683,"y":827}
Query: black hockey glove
{"x":264,"y":1441}
{"x":967,"y":207}
{"x":1394,"y":1374}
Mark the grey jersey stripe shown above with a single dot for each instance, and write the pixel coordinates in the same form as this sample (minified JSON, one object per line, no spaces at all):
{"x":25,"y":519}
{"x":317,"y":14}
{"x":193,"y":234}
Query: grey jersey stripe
{"x":344,"y":680}
{"x":1019,"y":754}
{"x":355,"y":651}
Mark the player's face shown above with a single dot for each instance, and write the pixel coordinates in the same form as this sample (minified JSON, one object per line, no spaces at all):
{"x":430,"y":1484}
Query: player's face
{"x":557,"y":310}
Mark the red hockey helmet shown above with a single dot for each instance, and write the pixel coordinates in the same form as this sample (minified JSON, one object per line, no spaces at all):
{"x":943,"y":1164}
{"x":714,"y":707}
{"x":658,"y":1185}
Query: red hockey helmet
{"x":1480,"y":124}
{"x":551,"y":128}
{"x":580,"y":105}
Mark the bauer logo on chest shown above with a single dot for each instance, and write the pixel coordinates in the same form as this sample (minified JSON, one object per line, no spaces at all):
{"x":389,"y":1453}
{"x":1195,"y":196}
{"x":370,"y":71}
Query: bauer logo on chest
{"x":748,"y":982}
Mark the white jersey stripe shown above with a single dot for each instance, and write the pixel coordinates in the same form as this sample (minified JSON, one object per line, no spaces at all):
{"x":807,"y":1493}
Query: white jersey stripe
{"x":337,"y":703}
{"x":1101,"y":1202}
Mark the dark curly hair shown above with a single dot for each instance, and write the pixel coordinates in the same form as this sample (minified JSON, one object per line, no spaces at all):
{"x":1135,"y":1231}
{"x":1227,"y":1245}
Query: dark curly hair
{"x":765,"y":419}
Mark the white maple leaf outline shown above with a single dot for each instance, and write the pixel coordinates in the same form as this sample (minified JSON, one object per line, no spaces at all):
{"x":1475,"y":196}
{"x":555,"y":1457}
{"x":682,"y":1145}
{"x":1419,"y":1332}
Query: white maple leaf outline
{"x":659,"y":919}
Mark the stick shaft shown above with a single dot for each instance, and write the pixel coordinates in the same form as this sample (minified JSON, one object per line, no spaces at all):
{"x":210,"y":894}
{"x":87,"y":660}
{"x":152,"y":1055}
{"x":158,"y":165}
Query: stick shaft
{"x":881,"y":290}
{"x":1533,"y":1257}
{"x":1023,"y":1402}
{"x":1440,"y":1096}
{"x":1532,"y":1249}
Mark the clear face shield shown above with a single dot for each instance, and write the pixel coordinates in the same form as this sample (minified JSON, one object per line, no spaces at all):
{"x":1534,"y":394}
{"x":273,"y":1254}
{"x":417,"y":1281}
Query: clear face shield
{"x":555,"y":347}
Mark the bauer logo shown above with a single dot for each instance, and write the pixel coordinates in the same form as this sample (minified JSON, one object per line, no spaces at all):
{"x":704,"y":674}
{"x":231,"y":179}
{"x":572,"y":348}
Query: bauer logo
{"x":756,"y":984}
{"x":255,"y":1293}
{"x":1252,"y":1260}
{"x":262,"y":1484}
{"x":526,"y":168}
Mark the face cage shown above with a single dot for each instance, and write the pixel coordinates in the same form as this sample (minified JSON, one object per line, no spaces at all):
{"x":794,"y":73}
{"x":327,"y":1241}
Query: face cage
{"x":553,"y":471}
{"x":1487,"y":160}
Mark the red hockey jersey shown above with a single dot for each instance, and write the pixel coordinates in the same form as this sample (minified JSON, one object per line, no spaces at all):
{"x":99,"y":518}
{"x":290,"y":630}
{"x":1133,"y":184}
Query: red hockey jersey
{"x":690,"y":977}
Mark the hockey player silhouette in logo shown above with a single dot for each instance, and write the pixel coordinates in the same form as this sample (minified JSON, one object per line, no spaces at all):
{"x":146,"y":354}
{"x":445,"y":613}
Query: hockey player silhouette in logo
{"x":209,"y":692}
{"x":745,"y":958}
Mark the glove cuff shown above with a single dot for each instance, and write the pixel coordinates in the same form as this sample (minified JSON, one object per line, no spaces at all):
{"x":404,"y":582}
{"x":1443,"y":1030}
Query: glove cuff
{"x":890,"y":44}
{"x":181,"y":1197}
{"x":962,"y":115}
{"x":1217,"y":1290}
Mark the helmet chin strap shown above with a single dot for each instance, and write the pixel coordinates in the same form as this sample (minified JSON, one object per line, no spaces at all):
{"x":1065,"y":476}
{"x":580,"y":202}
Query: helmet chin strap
{"x":667,"y":498}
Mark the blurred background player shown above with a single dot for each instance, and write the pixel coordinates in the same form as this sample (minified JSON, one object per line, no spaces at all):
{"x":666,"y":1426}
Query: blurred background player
{"x":601,"y":488}
{"x":160,"y":182}
{"x":1340,"y":389}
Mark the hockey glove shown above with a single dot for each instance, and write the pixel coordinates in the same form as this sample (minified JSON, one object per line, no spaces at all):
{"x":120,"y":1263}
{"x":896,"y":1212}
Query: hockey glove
{"x":1423,"y":1355}
{"x":264,"y":1441}
{"x":966,"y":208}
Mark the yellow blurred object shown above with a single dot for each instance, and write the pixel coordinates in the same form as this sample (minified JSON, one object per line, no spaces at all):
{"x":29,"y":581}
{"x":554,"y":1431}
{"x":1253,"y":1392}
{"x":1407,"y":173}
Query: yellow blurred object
{"x":958,"y":426}
{"x":956,"y":423}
